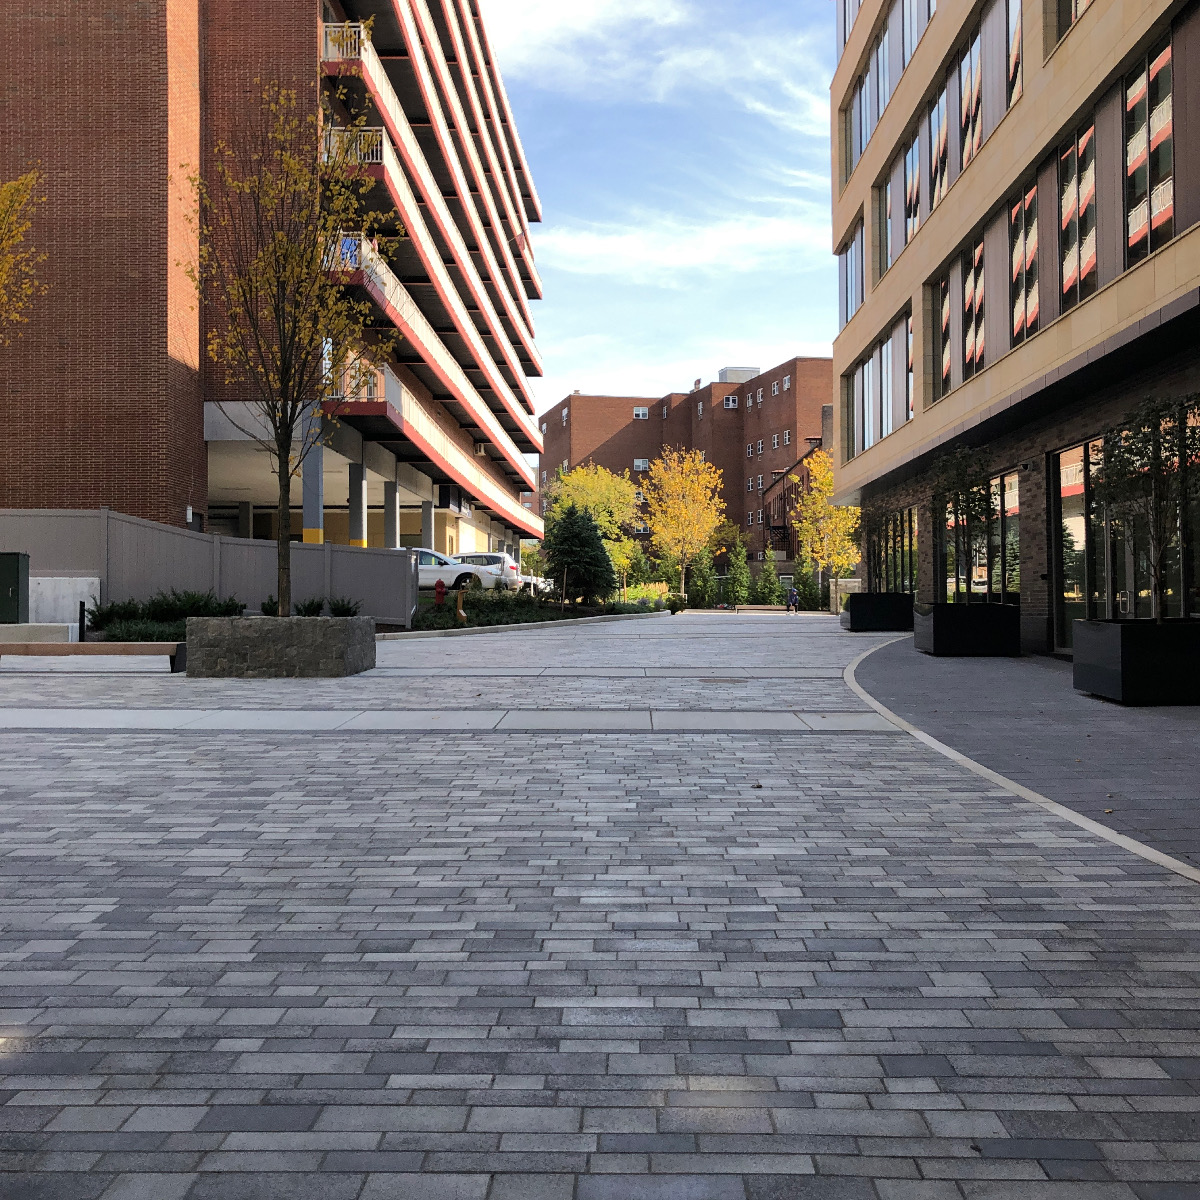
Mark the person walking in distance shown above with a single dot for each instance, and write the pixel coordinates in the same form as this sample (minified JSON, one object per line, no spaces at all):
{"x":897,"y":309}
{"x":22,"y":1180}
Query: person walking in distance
{"x":793,"y":600}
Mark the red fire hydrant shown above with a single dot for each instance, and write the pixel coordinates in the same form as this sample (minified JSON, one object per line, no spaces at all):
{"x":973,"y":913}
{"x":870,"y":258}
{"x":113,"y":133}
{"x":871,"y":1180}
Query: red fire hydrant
{"x":439,"y":592}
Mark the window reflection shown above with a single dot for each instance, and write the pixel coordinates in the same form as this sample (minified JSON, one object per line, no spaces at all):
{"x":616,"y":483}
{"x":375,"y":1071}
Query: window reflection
{"x":891,"y":553}
{"x":981,"y":544}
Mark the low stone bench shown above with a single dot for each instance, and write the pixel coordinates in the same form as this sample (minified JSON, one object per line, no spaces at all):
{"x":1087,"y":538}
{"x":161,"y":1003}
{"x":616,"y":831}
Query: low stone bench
{"x":176,"y":651}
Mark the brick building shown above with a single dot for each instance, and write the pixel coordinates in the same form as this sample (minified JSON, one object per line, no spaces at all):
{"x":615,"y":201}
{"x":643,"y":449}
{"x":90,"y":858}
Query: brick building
{"x":752,"y":425}
{"x":1017,"y":213}
{"x":108,"y":397}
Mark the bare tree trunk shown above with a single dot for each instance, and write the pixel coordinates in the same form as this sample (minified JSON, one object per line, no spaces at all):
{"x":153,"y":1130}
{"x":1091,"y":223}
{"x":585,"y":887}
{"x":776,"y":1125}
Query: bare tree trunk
{"x":284,"y":540}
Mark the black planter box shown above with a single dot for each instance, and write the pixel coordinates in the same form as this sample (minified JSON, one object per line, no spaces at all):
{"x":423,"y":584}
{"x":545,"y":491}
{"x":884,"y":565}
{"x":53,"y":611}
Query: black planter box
{"x":1138,"y":662}
{"x":968,"y":630}
{"x":877,"y":612}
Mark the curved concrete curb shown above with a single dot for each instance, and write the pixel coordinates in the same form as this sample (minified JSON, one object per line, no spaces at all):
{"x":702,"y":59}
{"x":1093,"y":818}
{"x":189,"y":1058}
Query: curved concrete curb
{"x":568,"y":621}
{"x":1059,"y":810}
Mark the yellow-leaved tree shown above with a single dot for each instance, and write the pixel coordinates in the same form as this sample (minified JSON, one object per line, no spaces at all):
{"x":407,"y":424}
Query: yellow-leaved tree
{"x":827,"y":532}
{"x":287,"y":246}
{"x":19,"y":261}
{"x":611,"y":500}
{"x":683,"y":506}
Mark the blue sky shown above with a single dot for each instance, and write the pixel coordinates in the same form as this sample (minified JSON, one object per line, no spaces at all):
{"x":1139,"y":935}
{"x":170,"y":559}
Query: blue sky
{"x":681,"y":149}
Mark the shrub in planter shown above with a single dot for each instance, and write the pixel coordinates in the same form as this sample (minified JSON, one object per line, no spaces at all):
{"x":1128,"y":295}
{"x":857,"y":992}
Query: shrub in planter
{"x":311,"y":608}
{"x":142,"y":630}
{"x":675,"y":602}
{"x":1145,"y":481}
{"x":343,"y":606}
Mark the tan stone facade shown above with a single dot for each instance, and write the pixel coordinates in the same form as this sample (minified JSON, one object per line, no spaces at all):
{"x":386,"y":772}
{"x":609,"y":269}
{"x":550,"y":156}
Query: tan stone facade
{"x":1031,"y":208}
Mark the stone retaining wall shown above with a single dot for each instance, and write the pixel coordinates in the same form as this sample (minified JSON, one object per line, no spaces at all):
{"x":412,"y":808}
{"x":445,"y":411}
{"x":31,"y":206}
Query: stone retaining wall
{"x":279,"y":647}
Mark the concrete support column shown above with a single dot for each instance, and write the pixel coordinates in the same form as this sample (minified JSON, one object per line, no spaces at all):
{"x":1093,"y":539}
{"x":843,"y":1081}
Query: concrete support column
{"x":312,"y":475}
{"x":391,"y":515}
{"x":427,"y":524}
{"x":358,"y":504}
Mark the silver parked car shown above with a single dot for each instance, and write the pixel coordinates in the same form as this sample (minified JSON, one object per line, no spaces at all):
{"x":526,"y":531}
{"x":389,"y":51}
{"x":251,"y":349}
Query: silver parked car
{"x":432,"y":566}
{"x":503,"y":566}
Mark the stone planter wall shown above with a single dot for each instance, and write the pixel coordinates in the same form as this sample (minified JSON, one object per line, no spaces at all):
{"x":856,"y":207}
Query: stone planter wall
{"x":1138,"y":662}
{"x":968,"y":630}
{"x":279,"y":647}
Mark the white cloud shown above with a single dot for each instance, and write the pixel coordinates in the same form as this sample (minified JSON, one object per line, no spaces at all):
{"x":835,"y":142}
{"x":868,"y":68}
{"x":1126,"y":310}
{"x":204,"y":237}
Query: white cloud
{"x":534,"y":37}
{"x":659,"y":50}
{"x":669,"y":253}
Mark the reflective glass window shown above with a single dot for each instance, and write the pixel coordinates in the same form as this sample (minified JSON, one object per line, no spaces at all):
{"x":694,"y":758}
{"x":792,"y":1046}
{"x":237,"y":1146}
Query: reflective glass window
{"x":1023,"y":278}
{"x":973,"y":333}
{"x":1149,"y":155}
{"x":1014,"y":52}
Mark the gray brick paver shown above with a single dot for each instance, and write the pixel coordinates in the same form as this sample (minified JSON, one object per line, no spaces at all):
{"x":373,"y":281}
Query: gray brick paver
{"x":693,"y":966}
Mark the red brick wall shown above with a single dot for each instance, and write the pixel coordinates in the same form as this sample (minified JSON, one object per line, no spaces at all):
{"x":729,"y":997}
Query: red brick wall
{"x":601,"y":429}
{"x":101,"y":389}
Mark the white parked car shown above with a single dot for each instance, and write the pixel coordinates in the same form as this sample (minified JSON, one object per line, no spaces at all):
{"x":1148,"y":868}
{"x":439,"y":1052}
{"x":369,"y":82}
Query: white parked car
{"x":432,"y":566}
{"x":504,"y":566}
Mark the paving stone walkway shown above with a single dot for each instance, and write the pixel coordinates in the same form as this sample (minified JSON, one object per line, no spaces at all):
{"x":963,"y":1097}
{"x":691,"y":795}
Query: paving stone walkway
{"x":1134,"y":769}
{"x":577,"y":965}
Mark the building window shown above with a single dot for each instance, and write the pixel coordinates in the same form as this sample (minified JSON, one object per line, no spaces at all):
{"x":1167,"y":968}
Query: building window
{"x":565,"y":413}
{"x":700,"y":408}
{"x":1069,"y":11}
{"x":939,"y":150}
{"x":1149,"y":155}
{"x":883,"y":221}
{"x":750,"y":484}
{"x":543,"y":476}
{"x":1023,"y":250}
{"x":912,"y":189}
{"x":564,"y":464}
{"x":851,"y":266}
{"x":787,"y":383}
{"x":881,"y":71}
{"x":641,"y":464}
{"x":749,"y":518}
{"x":973,"y":334}
{"x":759,"y":446}
{"x":749,"y":449}
{"x":759,"y":485}
{"x":731,"y":402}
{"x":775,"y":388}
{"x":787,"y":437}
{"x":970,"y":82}
{"x":885,"y":387}
{"x":774,"y":441}
{"x":1014,"y":52}
{"x":980,"y":543}
{"x":543,"y":428}
{"x":890,"y":553}
{"x":1077,"y":216}
{"x":941,"y":337}
{"x":641,"y":527}
{"x":641,"y":414}
{"x":760,"y":395}
{"x":638,"y":497}
{"x":760,"y":512}
{"x":910,"y":390}
{"x":870,"y":405}
{"x":664,"y":412}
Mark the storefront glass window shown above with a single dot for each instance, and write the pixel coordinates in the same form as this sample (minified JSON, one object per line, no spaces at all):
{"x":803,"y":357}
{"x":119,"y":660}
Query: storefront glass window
{"x":891,"y":553}
{"x":981,"y":544}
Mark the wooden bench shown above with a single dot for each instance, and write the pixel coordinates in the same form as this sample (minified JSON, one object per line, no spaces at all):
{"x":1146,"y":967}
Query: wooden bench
{"x":176,"y":651}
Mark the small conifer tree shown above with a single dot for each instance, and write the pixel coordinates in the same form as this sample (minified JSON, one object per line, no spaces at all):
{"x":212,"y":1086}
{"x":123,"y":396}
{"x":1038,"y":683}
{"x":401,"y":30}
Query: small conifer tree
{"x":576,"y":557}
{"x":737,"y":580}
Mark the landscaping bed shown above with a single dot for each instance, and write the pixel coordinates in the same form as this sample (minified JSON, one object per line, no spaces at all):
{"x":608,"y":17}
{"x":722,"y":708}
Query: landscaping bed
{"x":484,"y":609}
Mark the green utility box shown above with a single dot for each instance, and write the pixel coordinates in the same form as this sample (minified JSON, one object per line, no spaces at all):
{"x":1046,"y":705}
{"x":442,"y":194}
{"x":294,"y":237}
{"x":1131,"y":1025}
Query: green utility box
{"x":14,"y":589}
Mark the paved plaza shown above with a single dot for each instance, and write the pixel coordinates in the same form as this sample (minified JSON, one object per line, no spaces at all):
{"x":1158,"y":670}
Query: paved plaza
{"x":651,"y":910}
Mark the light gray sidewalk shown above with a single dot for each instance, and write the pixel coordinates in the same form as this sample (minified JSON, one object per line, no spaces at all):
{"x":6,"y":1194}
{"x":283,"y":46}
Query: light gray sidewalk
{"x":708,"y":963}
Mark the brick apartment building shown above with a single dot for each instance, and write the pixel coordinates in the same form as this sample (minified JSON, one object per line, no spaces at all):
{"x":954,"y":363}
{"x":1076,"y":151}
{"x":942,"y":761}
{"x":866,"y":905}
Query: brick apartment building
{"x":754,"y":426}
{"x":109,"y":399}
